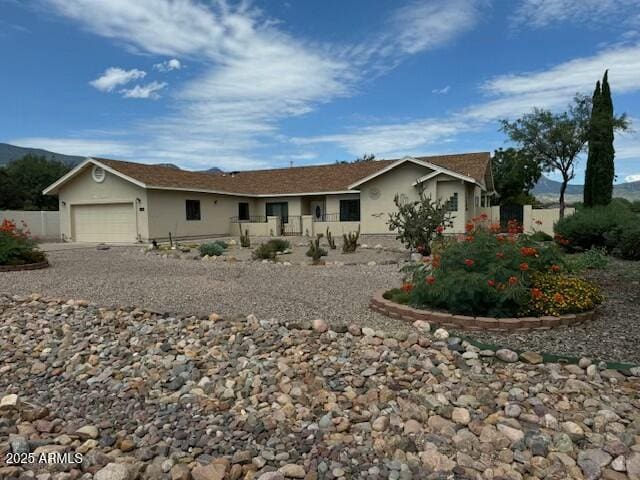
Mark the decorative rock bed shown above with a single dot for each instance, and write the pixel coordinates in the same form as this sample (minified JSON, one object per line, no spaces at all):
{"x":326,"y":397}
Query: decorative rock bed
{"x":462,"y":322}
{"x":28,"y":266}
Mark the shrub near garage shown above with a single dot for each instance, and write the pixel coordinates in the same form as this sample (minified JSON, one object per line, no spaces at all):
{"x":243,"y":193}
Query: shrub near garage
{"x":16,"y":245}
{"x":212,"y":249}
{"x":485,"y":274}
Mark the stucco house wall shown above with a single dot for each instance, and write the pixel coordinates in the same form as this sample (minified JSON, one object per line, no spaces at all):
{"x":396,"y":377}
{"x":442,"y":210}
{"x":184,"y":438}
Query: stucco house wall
{"x":446,"y":189}
{"x":376,"y":195}
{"x":167,"y":213}
{"x":83,"y":189}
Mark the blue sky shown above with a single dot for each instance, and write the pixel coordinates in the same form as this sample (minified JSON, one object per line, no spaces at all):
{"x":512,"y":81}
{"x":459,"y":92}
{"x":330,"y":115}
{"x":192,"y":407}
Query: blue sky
{"x":261,"y":84}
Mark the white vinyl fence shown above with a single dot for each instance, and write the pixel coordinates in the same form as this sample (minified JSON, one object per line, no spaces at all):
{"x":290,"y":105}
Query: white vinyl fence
{"x":44,"y":225}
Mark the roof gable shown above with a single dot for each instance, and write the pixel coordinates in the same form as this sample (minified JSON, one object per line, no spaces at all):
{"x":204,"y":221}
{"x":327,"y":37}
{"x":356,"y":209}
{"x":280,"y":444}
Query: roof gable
{"x":321,"y":179}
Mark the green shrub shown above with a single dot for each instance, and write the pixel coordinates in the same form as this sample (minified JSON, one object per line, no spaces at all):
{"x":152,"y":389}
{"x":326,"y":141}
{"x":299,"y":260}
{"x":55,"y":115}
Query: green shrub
{"x":212,"y":249}
{"x":593,"y":259}
{"x":485,"y":274}
{"x":541,"y":236}
{"x":16,"y":246}
{"x":629,"y":243}
{"x":316,"y":252}
{"x":600,"y":226}
{"x":279,"y":245}
{"x":222,"y":243}
{"x":264,"y":251}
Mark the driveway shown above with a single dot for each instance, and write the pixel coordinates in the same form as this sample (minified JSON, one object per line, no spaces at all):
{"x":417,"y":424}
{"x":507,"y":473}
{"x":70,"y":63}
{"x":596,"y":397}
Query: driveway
{"x":124,"y":276}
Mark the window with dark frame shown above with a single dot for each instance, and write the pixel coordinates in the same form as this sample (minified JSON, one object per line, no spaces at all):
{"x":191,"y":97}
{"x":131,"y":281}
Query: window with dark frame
{"x":452,"y":203}
{"x":193,"y":209}
{"x":350,"y":210}
{"x":243,"y":211}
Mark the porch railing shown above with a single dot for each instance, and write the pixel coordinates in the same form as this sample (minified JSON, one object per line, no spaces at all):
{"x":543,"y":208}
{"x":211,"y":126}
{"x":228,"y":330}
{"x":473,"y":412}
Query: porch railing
{"x":327,"y":217}
{"x":250,"y":219}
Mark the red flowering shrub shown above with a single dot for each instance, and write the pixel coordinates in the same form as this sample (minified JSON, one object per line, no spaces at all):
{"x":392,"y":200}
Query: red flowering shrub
{"x":485,"y":274}
{"x":16,"y":246}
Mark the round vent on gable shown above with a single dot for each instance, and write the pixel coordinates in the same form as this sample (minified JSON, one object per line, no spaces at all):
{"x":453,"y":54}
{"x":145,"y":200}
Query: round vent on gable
{"x":374,"y":193}
{"x":98,"y":174}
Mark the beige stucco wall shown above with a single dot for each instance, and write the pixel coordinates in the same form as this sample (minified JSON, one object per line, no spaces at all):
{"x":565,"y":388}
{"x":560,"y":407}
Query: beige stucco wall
{"x":167,"y":213}
{"x":83,"y":189}
{"x":374,"y":213}
{"x":295,"y":205}
{"x":446,"y":189}
{"x":542,"y":219}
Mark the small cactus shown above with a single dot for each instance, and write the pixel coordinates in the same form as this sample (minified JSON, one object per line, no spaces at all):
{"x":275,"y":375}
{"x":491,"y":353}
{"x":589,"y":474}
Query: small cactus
{"x":316,"y":252}
{"x":350,"y":241}
{"x":331,"y":240}
{"x":245,"y":241}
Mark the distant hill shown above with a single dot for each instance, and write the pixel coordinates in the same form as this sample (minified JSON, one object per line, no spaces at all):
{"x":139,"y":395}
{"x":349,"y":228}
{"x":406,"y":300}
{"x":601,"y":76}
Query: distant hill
{"x":547,"y":190}
{"x":9,"y":153}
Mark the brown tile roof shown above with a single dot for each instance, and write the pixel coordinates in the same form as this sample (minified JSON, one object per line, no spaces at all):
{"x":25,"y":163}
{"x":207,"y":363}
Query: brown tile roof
{"x":308,"y":179}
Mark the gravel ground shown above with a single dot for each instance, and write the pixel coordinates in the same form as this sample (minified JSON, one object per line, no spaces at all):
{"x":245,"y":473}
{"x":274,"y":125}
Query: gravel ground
{"x":613,"y":336}
{"x":123,"y":276}
{"x":151,"y":397}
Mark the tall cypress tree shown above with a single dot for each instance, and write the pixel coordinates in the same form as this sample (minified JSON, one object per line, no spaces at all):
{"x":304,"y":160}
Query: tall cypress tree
{"x":594,"y":148}
{"x":607,"y":168}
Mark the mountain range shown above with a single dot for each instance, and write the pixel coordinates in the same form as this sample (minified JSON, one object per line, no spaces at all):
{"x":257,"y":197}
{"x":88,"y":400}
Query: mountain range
{"x":9,"y":153}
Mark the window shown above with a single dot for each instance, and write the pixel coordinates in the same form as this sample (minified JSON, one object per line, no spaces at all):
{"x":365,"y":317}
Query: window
{"x":452,"y":203}
{"x":193,"y":209}
{"x":278,"y":209}
{"x":350,"y":210}
{"x":243,"y":211}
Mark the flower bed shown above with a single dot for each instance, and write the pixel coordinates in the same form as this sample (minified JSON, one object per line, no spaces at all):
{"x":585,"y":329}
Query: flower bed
{"x":18,"y":251}
{"x":485,"y":274}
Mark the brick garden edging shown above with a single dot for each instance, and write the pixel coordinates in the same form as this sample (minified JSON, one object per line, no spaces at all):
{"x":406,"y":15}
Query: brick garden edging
{"x":28,"y":266}
{"x":461,"y":322}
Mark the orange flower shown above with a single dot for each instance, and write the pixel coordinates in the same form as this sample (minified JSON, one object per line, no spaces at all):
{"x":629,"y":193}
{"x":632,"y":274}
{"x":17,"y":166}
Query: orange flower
{"x":468,"y":238}
{"x":468,"y":262}
{"x":555,"y":268}
{"x":528,"y":252}
{"x":524,"y":267}
{"x":483,"y":216}
{"x":469,"y":227}
{"x":536,"y":293}
{"x":558,"y":298}
{"x":406,"y":287}
{"x":491,"y":283}
{"x":435,"y":261}
{"x":430,"y":279}
{"x":500,"y":255}
{"x":495,"y":228}
{"x":439,"y":229}
{"x":513,"y":281}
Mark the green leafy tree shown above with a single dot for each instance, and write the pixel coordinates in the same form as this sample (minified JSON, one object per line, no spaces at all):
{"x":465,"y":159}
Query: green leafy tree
{"x":600,"y":170}
{"x":515,"y":173}
{"x":367,"y":157}
{"x":29,"y":176}
{"x":10,"y":197}
{"x":555,"y":140}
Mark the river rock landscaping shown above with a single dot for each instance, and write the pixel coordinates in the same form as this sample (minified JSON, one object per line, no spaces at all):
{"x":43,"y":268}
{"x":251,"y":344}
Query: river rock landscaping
{"x":143,"y":394}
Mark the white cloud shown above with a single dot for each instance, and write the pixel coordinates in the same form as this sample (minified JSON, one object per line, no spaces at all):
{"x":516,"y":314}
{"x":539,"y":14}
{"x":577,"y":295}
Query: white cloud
{"x":77,"y":146}
{"x":150,"y":90}
{"x":168,"y":65}
{"x":115,"y":76}
{"x":542,"y":13}
{"x":632,"y":178}
{"x":441,"y":91}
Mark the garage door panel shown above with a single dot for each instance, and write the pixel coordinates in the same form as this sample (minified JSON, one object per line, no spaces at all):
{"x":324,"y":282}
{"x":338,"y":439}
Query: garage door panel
{"x":110,"y":223}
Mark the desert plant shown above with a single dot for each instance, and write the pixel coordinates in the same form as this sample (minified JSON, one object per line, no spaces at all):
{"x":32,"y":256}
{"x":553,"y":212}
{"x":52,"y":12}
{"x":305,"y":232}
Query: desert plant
{"x":629,"y":244}
{"x":350,"y":241}
{"x":222,"y":243}
{"x":279,"y":244}
{"x":16,"y":245}
{"x":330,"y":240}
{"x":316,"y":252}
{"x":245,"y":241}
{"x":264,"y":251}
{"x":558,"y":294}
{"x":593,"y":259}
{"x":212,"y":249}
{"x":540,"y":236}
{"x":482,"y":274}
{"x":417,"y":223}
{"x":600,"y":226}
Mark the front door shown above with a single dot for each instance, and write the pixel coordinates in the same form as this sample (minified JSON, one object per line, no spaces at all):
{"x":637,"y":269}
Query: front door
{"x":317,"y":210}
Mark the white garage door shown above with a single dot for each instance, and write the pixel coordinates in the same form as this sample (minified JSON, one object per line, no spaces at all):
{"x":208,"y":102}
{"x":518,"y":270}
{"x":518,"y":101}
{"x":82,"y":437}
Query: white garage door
{"x":109,"y":223}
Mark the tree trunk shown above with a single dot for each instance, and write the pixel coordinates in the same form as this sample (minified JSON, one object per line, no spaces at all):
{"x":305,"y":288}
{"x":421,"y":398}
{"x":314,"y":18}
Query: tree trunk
{"x":563,"y":188}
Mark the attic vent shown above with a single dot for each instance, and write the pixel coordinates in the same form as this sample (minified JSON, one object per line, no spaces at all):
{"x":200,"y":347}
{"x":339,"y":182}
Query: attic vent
{"x":98,"y":174}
